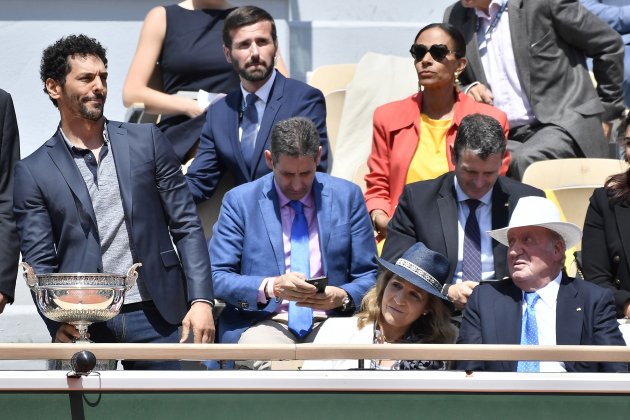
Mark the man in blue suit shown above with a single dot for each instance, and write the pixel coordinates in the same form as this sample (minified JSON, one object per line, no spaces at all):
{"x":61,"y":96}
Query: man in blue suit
{"x":539,"y":303}
{"x":236,"y":132}
{"x":253,"y":251}
{"x":101,"y":195}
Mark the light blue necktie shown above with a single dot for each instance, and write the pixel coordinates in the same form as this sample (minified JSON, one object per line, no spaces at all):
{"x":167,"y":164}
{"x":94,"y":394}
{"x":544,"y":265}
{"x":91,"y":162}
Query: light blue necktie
{"x":300,"y":317}
{"x":249,"y":125}
{"x":529,"y":332}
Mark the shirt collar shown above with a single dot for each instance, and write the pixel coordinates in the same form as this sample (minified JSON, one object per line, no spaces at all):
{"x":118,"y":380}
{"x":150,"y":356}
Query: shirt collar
{"x":72,"y":147}
{"x":549,"y":293}
{"x":462,"y":196}
{"x":493,"y":8}
{"x":307,"y":200}
{"x":264,"y":91}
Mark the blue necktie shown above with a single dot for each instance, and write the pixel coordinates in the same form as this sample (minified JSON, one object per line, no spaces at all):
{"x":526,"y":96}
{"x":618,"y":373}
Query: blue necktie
{"x":529,"y":332}
{"x":248,"y":126}
{"x":471,"y":263}
{"x":300,"y":318}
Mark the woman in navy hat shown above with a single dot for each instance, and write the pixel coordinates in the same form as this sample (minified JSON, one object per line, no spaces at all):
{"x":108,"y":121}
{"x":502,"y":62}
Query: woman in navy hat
{"x":405,"y":306}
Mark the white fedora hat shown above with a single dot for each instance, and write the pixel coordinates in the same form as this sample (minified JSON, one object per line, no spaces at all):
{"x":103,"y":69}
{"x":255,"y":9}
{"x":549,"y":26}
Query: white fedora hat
{"x":539,"y":211}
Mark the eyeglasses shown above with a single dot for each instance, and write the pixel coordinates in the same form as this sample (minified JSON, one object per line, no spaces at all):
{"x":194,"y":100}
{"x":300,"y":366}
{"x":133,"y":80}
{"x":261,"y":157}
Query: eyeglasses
{"x":437,"y":51}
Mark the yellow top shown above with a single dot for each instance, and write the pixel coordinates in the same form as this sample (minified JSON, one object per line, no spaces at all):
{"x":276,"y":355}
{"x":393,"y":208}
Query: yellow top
{"x":429,"y":161}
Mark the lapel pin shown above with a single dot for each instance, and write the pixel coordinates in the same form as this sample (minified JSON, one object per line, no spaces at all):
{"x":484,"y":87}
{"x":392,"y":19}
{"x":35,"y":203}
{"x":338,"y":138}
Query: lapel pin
{"x":578,"y":309}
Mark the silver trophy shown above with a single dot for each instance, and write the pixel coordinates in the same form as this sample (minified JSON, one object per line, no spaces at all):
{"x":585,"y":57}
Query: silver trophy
{"x":80,"y":299}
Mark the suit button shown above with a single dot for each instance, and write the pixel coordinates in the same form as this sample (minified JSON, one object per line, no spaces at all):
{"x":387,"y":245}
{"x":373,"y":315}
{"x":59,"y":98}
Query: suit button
{"x":244,"y":305}
{"x":616,"y":259}
{"x":617,"y":283}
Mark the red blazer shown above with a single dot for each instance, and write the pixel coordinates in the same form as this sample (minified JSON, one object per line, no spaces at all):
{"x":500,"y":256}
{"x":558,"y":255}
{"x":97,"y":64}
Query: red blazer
{"x":395,"y":139}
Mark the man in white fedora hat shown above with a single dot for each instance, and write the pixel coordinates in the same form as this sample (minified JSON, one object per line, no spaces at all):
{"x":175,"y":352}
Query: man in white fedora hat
{"x":539,"y":303}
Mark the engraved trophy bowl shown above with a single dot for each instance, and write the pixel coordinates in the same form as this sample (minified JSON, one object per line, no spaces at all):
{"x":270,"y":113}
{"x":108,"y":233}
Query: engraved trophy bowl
{"x":80,"y":299}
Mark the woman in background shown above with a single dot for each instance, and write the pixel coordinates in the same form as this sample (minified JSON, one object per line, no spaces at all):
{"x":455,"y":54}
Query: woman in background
{"x":405,"y":306}
{"x":606,"y":239}
{"x":412,"y":137}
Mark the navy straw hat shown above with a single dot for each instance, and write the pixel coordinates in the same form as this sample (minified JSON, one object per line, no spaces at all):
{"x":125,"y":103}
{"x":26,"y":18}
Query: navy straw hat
{"x":421,"y":267}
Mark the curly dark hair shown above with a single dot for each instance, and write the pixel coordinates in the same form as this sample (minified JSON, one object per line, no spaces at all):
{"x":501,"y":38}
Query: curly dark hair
{"x":55,"y":64}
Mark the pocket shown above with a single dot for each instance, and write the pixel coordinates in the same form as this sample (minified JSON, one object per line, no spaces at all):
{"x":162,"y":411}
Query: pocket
{"x":169,"y":258}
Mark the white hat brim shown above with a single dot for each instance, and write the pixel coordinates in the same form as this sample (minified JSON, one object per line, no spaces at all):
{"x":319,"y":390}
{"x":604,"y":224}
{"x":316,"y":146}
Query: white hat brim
{"x":570,"y":232}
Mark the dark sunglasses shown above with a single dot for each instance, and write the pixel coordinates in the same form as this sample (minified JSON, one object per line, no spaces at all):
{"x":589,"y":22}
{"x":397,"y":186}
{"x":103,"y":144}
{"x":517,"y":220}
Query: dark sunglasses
{"x":437,"y":51}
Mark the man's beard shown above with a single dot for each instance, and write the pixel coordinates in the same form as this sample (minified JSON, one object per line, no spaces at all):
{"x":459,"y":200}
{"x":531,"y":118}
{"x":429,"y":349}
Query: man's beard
{"x":93,"y":114}
{"x":255,"y":75}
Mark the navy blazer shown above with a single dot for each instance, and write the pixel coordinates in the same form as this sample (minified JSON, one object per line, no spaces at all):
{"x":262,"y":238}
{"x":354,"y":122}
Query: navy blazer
{"x":57,"y":224}
{"x":585,"y":314}
{"x":220,"y":148}
{"x":247,"y":246}
{"x":427,"y":213}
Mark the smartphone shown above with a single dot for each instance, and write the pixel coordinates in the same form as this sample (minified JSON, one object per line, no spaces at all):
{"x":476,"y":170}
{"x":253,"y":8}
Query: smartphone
{"x":319,"y":282}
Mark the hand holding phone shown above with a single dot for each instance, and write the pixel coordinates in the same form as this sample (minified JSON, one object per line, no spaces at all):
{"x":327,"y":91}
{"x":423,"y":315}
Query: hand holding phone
{"x":319,"y":282}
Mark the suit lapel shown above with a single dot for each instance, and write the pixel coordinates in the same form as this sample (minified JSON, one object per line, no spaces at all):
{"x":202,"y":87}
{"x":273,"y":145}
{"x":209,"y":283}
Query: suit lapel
{"x":469,"y":30}
{"x":622,"y":215}
{"x":234,"y":102}
{"x":500,"y":218}
{"x":508,"y":318}
{"x":520,"y":42}
{"x":447,"y":209}
{"x":60,"y":155}
{"x":271,"y":110}
{"x":270,"y":212}
{"x":119,"y":147}
{"x":323,"y":206}
{"x":569,"y":314}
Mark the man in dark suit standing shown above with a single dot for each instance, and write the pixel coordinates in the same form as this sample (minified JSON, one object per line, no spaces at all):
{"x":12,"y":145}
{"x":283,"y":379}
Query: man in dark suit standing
{"x":101,"y":195}
{"x":437,"y":212}
{"x":528,"y":58}
{"x":238,"y":127}
{"x":539,"y":303}
{"x":9,"y":155}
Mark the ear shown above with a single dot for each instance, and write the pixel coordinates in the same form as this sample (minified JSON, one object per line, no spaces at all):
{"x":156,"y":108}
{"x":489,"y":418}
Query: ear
{"x":453,"y":160}
{"x":319,"y":156}
{"x":226,"y":53}
{"x":461,"y":65}
{"x":53,"y":87}
{"x":268,"y":159}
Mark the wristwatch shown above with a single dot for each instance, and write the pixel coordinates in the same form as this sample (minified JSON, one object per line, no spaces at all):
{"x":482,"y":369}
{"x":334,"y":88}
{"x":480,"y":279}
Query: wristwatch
{"x":347,"y":305}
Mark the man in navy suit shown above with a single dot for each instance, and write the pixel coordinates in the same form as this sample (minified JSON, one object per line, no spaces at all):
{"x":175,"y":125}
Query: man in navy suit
{"x":101,"y":195}
{"x":237,"y":128}
{"x":539,"y":304}
{"x":251,"y":247}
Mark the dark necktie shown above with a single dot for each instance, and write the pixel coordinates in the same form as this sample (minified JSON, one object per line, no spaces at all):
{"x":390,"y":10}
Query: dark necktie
{"x":529,"y":332}
{"x":300,"y":318}
{"x":249,"y":131}
{"x":471,"y":264}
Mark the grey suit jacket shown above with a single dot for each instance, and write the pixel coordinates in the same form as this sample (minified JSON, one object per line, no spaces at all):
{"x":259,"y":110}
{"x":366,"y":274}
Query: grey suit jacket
{"x":551,"y":39}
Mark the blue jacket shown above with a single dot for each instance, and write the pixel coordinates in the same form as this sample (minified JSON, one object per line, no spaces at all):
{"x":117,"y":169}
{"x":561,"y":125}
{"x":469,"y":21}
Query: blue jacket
{"x":247,"y":247}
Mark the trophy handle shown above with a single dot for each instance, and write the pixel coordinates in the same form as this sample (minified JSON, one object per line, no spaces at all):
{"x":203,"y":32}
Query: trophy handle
{"x":29,"y":275}
{"x":132,"y":275}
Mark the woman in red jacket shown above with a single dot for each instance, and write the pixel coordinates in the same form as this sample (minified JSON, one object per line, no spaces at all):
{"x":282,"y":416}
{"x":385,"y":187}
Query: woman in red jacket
{"x":413,"y":137}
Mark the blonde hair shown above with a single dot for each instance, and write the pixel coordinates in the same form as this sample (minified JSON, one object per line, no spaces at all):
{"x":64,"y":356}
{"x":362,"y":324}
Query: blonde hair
{"x":434,"y":327}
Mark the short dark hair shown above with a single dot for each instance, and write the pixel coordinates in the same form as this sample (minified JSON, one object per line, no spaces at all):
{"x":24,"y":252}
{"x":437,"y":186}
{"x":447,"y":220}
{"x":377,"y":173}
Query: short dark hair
{"x":55,"y":64}
{"x":453,"y":32}
{"x":245,"y":16}
{"x":481,"y":134}
{"x":294,"y":137}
